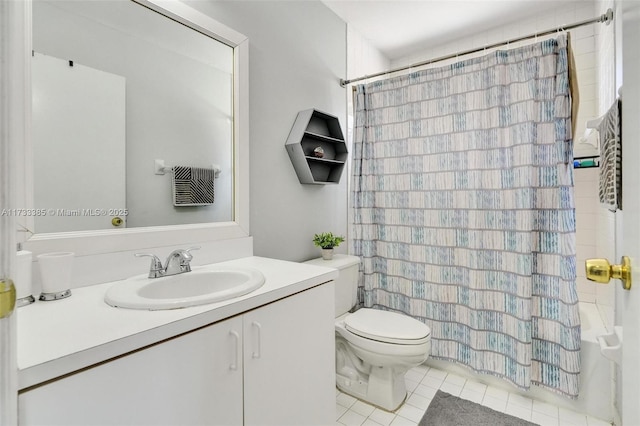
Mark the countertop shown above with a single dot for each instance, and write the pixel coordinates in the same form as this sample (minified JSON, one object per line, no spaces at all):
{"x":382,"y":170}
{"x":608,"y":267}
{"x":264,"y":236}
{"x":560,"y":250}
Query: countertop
{"x":59,"y":337}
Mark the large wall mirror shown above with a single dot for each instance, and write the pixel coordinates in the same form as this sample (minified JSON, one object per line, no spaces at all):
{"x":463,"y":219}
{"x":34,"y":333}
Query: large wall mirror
{"x":123,"y":93}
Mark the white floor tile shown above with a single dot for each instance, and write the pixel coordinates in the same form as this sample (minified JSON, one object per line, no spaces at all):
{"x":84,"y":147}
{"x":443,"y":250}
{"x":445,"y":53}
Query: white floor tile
{"x":497,"y":404}
{"x":568,"y":417}
{"x":438,"y":374}
{"x":520,"y":400}
{"x":422,"y":368}
{"x":472,"y":396}
{"x":382,"y":417}
{"x":422,"y":384}
{"x":451,"y":389}
{"x":518,"y":411}
{"x":410,"y":412}
{"x":340,"y":410}
{"x":425,"y":391}
{"x":592,"y":421}
{"x":410,"y":384}
{"x":362,"y":408}
{"x":401,"y":421}
{"x":472,"y":386}
{"x":497,"y":393}
{"x":545,"y":408}
{"x":351,"y":418}
{"x":543,"y":419}
{"x":370,"y":422}
{"x":415,"y":375}
{"x":433,"y":382}
{"x":455,"y":380}
{"x":419,"y":401}
{"x":345,"y":400}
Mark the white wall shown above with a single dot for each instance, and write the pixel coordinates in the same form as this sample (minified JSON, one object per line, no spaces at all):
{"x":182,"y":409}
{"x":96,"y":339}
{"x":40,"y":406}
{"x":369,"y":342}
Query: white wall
{"x":362,"y":59}
{"x":297,"y":55}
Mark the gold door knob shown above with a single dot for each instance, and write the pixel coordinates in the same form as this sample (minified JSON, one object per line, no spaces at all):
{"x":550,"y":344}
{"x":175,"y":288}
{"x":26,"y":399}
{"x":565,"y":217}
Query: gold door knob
{"x":117,"y":221}
{"x":600,"y":271}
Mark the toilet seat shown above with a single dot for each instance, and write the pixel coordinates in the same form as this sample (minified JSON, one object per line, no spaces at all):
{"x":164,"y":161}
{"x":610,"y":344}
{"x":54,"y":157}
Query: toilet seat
{"x":387,"y":327}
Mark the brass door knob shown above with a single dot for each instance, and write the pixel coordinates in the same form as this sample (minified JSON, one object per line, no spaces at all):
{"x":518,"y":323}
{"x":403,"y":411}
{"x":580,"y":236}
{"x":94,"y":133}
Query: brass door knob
{"x":601,"y":271}
{"x":117,"y":221}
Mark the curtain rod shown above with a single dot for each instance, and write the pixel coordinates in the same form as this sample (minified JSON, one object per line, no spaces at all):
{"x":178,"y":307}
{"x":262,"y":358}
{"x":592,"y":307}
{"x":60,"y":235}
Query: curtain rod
{"x":606,"y":18}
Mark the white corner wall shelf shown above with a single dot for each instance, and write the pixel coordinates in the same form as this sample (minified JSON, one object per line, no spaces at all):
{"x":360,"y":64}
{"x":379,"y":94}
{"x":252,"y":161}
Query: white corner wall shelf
{"x":317,"y":148}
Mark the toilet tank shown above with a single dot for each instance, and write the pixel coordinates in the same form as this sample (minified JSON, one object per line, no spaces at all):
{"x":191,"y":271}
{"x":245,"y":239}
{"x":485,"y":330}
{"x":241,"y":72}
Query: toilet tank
{"x":346,"y":285}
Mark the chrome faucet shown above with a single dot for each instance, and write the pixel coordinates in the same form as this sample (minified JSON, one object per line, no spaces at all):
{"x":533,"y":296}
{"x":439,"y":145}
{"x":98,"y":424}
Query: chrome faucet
{"x":178,"y":262}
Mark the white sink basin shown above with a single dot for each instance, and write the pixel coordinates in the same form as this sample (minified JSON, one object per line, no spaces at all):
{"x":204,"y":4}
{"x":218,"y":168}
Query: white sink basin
{"x":198,"y":287}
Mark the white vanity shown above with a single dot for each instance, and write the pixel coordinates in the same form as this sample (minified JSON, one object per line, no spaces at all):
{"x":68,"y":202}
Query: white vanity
{"x":263,"y":358}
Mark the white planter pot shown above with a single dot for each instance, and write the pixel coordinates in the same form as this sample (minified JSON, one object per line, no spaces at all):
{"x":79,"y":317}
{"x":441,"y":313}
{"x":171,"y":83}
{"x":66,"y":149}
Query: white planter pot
{"x":327,"y":254}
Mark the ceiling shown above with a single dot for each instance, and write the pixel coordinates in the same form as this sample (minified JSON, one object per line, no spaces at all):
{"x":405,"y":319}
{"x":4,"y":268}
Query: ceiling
{"x":399,"y":28}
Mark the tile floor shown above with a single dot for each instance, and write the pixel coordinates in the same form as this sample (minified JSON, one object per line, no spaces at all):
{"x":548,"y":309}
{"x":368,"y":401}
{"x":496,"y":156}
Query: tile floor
{"x":422,"y":384}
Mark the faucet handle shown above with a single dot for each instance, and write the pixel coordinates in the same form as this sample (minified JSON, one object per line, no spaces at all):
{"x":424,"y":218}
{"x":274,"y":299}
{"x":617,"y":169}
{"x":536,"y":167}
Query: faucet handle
{"x":156,"y":264}
{"x":188,"y":254}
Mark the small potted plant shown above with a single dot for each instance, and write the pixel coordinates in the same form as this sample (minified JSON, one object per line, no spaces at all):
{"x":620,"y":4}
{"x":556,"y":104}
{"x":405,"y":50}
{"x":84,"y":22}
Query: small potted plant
{"x":327,"y":241}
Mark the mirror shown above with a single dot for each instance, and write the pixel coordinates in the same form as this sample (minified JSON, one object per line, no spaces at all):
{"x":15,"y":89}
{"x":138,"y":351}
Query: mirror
{"x":136,"y":87}
{"x":116,"y":87}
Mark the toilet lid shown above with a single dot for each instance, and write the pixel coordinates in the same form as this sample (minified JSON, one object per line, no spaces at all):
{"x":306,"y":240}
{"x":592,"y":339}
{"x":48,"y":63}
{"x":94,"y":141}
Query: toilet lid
{"x":387,"y":327}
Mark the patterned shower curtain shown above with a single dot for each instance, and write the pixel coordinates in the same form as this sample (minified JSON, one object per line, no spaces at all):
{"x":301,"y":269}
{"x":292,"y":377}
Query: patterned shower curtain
{"x":463,"y":211}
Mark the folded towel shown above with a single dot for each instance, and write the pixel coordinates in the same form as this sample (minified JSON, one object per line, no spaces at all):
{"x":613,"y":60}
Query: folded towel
{"x":610,"y":130}
{"x":193,"y":186}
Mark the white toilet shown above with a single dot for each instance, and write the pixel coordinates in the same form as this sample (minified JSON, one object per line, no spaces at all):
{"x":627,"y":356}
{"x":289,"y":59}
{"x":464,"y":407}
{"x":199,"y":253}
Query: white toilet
{"x":374,"y":348}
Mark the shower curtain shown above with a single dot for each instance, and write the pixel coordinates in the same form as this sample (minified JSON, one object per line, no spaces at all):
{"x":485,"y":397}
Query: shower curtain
{"x":463,"y":210}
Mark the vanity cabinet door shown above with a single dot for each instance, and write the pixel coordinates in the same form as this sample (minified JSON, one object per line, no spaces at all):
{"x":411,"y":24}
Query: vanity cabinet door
{"x":289,"y":365}
{"x":193,"y":379}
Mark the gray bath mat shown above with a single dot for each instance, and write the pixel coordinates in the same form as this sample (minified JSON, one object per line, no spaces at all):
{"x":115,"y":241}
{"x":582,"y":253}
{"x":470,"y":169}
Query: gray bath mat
{"x":449,"y":410}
